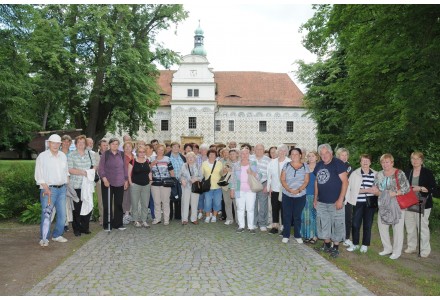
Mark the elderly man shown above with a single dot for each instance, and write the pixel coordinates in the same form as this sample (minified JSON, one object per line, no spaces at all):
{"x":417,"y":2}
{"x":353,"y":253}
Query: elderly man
{"x":51,"y":174}
{"x":330,"y":187}
{"x":261,"y":205}
{"x":89,"y":143}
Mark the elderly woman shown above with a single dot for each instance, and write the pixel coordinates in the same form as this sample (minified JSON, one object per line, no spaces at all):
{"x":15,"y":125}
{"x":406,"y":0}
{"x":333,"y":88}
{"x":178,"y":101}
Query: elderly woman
{"x":114,"y":180}
{"x":161,"y":168}
{"x":385,"y":182}
{"x":139,"y":175}
{"x":359,"y":188}
{"x":226,"y":190}
{"x":308,"y":216}
{"x":423,"y":183}
{"x":274,"y":185}
{"x":189,"y":173}
{"x":294,"y":179}
{"x":126,"y":203}
{"x":213,"y":198}
{"x":79,"y":162}
{"x":241,"y":191}
{"x":200,"y":158}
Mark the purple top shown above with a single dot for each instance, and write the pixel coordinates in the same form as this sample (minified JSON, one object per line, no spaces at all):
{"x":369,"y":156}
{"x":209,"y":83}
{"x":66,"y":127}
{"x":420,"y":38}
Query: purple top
{"x":112,"y":167}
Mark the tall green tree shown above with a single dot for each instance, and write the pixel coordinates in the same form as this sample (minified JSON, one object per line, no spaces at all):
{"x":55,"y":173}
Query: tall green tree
{"x":390,"y":94}
{"x":93,"y":66}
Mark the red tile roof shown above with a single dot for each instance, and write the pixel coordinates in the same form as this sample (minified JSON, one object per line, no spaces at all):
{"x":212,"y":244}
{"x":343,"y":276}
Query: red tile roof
{"x":245,"y":89}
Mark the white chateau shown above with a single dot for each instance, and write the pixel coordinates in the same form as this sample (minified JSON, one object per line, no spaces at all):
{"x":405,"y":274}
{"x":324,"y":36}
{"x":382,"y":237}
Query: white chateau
{"x":203,"y":106}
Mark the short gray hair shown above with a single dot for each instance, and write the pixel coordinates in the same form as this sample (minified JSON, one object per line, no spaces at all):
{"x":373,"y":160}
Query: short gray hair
{"x":326,"y":146}
{"x":204,"y":146}
{"x":282,"y":147}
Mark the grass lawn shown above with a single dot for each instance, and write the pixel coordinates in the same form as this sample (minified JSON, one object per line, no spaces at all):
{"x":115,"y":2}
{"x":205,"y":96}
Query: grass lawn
{"x":7,"y":164}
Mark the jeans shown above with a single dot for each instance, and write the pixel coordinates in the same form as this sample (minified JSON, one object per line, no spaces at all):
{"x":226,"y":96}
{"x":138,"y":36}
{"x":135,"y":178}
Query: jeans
{"x":201,"y":202}
{"x":362,"y":215}
{"x":292,"y":209}
{"x":261,"y":208}
{"x":58,"y":200}
{"x":151,"y":204}
{"x":213,"y":200}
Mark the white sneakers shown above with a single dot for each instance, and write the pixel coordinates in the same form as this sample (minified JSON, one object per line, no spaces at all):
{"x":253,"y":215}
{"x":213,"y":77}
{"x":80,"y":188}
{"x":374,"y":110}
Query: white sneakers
{"x":285,"y":240}
{"x":299,"y":240}
{"x":394,"y":256}
{"x":263,"y":228}
{"x":408,"y":250}
{"x":383,"y":253}
{"x":59,"y":239}
{"x":44,"y":243}
{"x":348,"y":243}
{"x":353,"y":248}
{"x":229,"y":222}
{"x":213,"y":219}
{"x":364,"y":249}
{"x":200,"y":215}
{"x":207,"y":219}
{"x":137,"y":224}
{"x":145,"y":224}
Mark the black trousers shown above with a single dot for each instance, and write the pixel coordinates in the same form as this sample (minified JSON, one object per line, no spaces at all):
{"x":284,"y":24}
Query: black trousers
{"x":79,"y":223}
{"x":276,"y":207}
{"x":175,"y":201}
{"x":348,"y":219}
{"x":117,"y":195}
{"x":362,"y":216}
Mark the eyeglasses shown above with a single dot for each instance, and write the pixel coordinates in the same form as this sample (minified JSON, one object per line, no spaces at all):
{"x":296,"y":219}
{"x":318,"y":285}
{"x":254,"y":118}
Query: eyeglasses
{"x":141,"y":151}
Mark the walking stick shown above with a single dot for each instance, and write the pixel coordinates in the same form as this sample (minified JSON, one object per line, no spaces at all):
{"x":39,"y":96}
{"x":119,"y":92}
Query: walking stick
{"x":419,"y":237}
{"x":108,"y":210}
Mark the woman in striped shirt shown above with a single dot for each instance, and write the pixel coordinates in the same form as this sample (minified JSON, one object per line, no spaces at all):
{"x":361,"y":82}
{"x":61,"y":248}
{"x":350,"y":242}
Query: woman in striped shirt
{"x":359,"y":188}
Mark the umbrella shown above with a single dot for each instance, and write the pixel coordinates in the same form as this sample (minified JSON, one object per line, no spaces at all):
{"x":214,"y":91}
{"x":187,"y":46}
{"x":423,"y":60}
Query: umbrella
{"x":46,"y":222}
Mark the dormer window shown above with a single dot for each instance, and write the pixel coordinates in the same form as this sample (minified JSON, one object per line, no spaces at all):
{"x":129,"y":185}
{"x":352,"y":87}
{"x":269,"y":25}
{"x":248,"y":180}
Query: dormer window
{"x":193,"y":92}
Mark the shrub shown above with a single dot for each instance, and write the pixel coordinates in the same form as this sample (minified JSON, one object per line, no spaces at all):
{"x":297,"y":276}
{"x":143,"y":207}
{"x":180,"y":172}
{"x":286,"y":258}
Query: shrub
{"x":32,"y":215}
{"x":18,"y":188}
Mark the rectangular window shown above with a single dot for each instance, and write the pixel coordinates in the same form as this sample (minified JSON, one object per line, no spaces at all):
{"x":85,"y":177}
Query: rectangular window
{"x":263,"y":126}
{"x":190,"y":92}
{"x":231,"y":125}
{"x":196,"y":92}
{"x":289,"y":126}
{"x":218,"y":125}
{"x":192,"y":122}
{"x":164,"y":125}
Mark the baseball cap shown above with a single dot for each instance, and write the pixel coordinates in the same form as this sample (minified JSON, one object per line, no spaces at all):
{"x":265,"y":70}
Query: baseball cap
{"x":55,"y":138}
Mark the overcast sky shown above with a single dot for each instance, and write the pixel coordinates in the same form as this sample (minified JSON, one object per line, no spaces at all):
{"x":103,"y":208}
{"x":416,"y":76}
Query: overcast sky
{"x":244,"y":37}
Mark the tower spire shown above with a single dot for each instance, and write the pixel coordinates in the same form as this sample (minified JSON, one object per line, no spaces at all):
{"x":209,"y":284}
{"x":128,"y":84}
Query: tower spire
{"x":199,"y":49}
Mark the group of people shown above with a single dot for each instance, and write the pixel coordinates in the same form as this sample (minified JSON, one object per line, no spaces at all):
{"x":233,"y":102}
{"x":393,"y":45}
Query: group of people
{"x":315,"y":193}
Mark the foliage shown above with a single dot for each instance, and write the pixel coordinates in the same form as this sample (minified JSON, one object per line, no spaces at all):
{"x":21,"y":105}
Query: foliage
{"x":18,"y":188}
{"x":32,"y":214}
{"x":388,"y":97}
{"x":85,"y":66}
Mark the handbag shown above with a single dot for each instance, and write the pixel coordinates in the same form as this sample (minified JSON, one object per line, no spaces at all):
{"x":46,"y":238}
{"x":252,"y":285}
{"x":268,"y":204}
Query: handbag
{"x":166,"y":182}
{"x":224,"y":180}
{"x":206,"y":183}
{"x":196,"y":186}
{"x":254,"y":184}
{"x":407,"y":200}
{"x":419,"y":207}
{"x":91,"y":167}
{"x":371,"y":200}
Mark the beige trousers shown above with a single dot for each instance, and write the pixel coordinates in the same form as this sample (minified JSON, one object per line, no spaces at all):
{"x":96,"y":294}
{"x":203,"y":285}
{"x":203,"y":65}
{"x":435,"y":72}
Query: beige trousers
{"x":161,"y":197}
{"x":189,"y":198}
{"x":384,"y":231}
{"x":412,"y":227}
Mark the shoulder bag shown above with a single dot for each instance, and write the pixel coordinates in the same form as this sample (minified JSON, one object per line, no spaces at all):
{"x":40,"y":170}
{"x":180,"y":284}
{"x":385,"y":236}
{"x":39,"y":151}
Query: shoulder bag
{"x":371,"y":200}
{"x":419,"y":207}
{"x":91,"y":167}
{"x":206,"y":184}
{"x":407,"y":200}
{"x":196,"y":186}
{"x":255,"y":185}
{"x":166,"y":182}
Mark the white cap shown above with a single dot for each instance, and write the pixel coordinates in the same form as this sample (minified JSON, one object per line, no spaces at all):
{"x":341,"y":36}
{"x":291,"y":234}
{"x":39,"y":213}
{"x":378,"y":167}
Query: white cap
{"x":55,"y":138}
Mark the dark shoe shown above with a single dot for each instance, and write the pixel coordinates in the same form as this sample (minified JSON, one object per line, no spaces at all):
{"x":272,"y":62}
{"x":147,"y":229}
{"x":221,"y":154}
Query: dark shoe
{"x":239,"y":230}
{"x":322,"y":248}
{"x":77,"y":233}
{"x":252,"y":231}
{"x":195,"y":222}
{"x":86,"y":232}
{"x":273,"y":231}
{"x":66,"y":228}
{"x":334,"y":253}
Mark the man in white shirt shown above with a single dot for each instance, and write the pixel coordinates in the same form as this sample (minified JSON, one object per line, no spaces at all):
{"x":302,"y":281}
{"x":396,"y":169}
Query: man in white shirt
{"x":261,"y":202}
{"x":51,"y":174}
